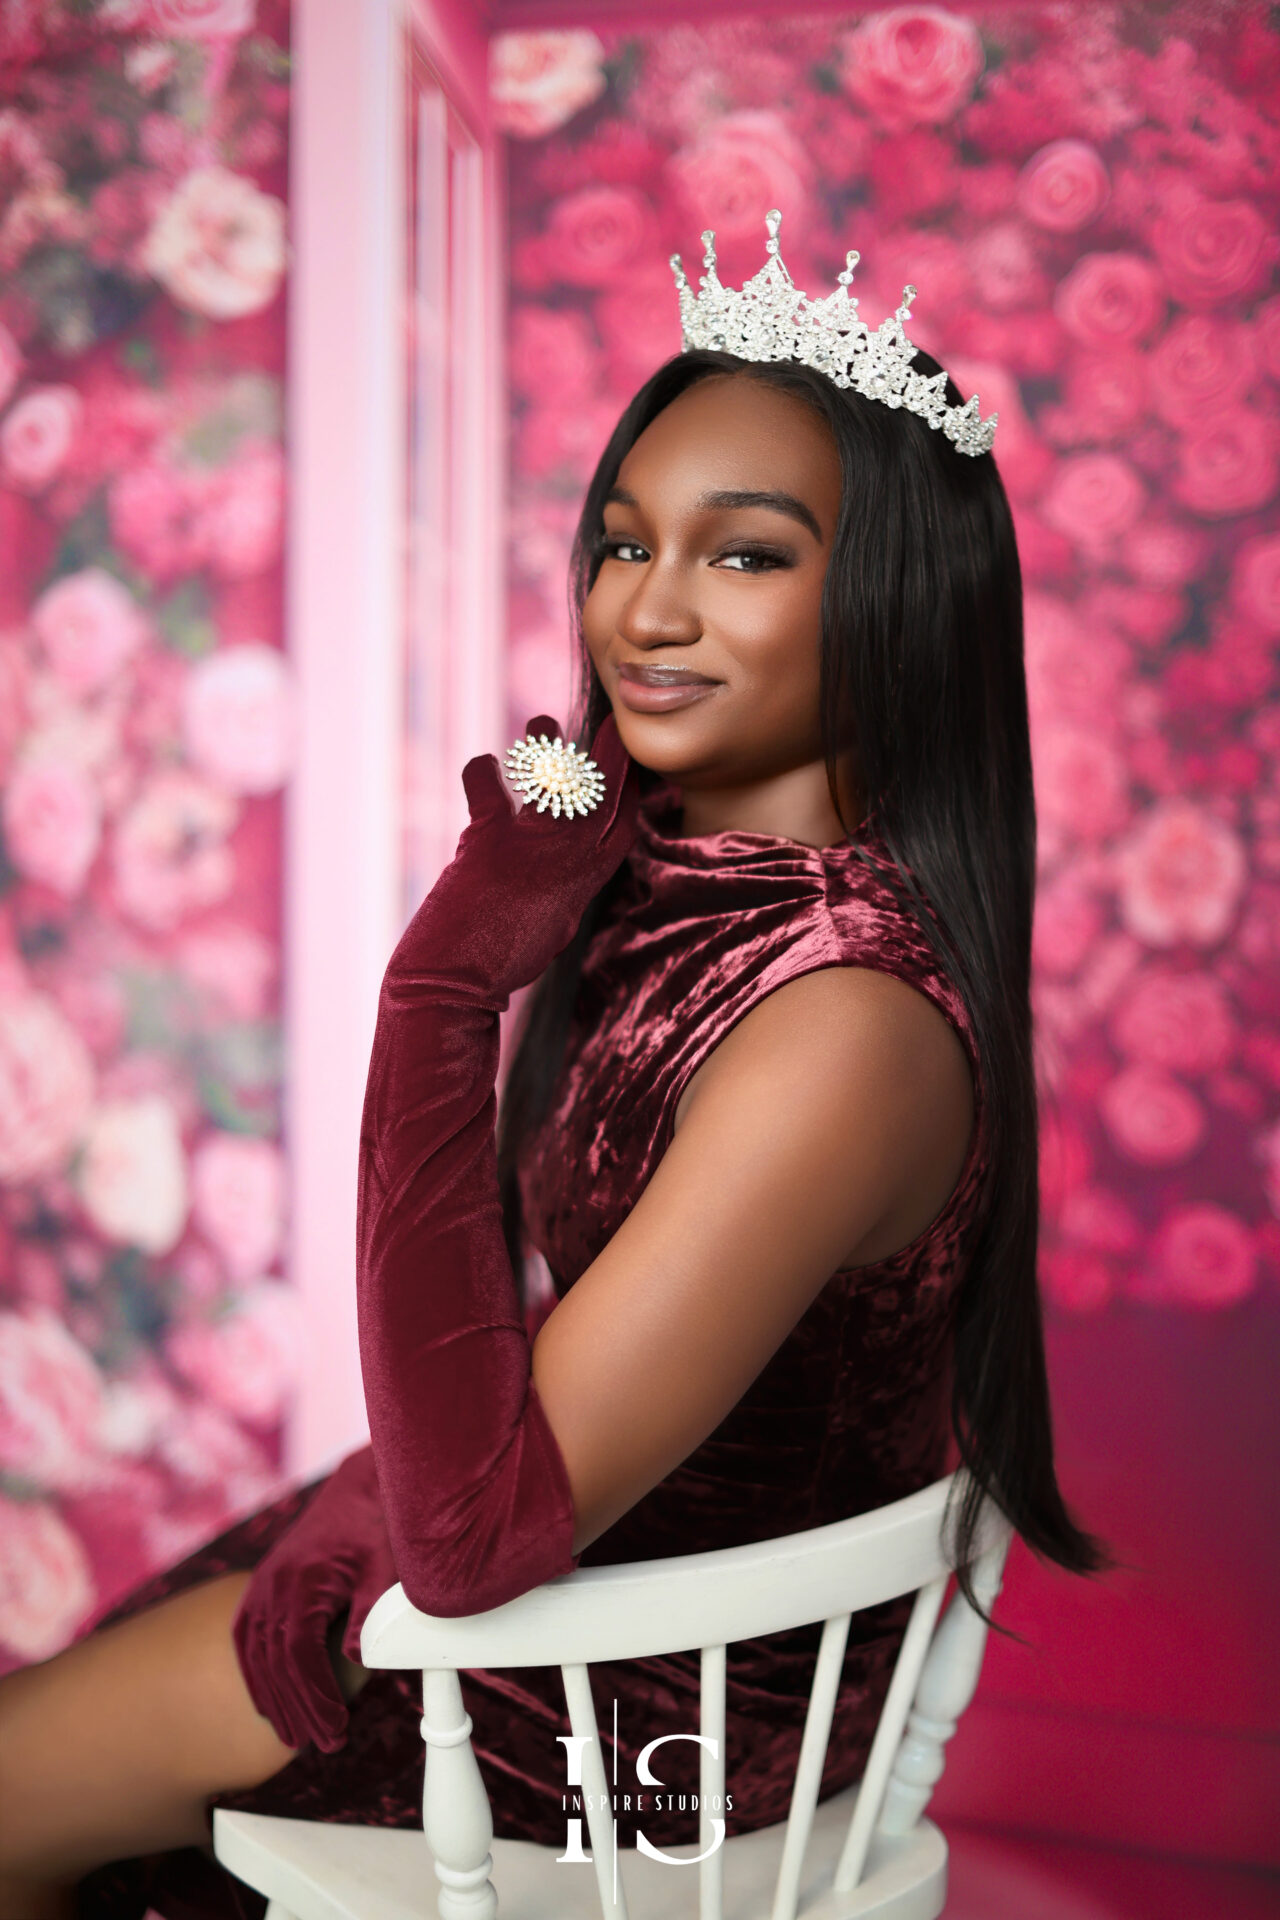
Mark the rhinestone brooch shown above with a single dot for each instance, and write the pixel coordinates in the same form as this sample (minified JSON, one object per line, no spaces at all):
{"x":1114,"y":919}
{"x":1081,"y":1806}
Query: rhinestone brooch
{"x":555,"y":775}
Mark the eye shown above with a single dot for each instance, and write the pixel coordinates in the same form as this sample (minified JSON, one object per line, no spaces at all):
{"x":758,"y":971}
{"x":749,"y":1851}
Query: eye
{"x":613,"y":546}
{"x":761,"y":559}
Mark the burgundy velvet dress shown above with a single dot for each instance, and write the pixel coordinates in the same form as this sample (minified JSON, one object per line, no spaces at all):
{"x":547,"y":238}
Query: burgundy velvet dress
{"x":850,"y":1412}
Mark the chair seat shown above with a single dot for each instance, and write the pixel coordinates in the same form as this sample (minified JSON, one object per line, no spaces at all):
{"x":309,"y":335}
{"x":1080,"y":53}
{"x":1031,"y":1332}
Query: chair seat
{"x":328,"y":1872}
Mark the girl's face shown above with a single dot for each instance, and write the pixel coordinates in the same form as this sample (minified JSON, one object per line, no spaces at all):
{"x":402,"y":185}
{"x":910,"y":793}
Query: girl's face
{"x":717,"y":537}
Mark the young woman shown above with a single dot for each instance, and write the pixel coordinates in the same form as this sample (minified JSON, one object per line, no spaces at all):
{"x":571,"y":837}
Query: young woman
{"x":771,"y":1121}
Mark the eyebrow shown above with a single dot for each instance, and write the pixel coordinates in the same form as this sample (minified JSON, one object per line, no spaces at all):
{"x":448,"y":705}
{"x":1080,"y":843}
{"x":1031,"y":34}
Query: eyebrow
{"x":728,"y":498}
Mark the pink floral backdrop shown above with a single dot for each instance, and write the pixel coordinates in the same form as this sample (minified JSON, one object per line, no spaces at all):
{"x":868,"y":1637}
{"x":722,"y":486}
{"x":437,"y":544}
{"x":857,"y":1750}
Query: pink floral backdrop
{"x":145,"y":737}
{"x":1086,"y":198}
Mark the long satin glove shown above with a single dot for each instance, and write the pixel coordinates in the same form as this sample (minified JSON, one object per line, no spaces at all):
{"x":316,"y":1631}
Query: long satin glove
{"x":476,"y":1492}
{"x":336,"y":1556}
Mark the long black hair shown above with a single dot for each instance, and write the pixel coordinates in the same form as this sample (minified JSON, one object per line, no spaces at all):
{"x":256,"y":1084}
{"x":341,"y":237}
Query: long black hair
{"x":922,"y":672}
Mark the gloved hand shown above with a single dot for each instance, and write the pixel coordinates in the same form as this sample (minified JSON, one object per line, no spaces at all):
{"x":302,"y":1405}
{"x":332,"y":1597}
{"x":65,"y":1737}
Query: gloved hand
{"x":476,"y":1493}
{"x":335,"y":1556}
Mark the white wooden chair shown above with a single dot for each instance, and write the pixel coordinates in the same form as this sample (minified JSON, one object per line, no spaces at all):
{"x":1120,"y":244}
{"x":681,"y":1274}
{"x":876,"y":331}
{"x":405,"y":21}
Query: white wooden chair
{"x":866,"y":1851}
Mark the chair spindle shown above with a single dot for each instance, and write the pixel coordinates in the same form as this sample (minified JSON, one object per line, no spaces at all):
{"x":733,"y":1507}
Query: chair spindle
{"x":582,"y":1718}
{"x":947,"y":1685}
{"x":711,"y":1782}
{"x":456,"y":1817}
{"x":813,"y":1753}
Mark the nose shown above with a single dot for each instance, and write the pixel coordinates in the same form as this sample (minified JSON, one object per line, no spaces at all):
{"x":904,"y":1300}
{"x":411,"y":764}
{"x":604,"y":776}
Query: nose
{"x":658,"y":610}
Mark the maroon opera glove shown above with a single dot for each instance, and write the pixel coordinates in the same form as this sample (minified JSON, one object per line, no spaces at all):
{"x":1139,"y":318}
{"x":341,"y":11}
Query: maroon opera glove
{"x":335,"y":1556}
{"x":476,"y":1492}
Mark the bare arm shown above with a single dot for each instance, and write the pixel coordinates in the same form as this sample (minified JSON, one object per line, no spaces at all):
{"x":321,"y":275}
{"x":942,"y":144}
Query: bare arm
{"x":833,"y":1116}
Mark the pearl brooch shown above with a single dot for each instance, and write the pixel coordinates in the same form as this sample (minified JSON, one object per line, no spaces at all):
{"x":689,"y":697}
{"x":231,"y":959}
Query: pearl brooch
{"x":555,"y":775}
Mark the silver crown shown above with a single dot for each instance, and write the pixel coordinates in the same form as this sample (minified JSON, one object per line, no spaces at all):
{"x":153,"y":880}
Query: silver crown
{"x":770,"y":319}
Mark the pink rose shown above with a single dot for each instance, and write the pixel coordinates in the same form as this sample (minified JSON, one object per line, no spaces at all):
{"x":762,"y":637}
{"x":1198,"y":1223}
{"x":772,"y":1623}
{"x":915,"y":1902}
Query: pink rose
{"x":1093,"y":498}
{"x":234,"y":965}
{"x":238,"y":1197}
{"x":46,"y":1086}
{"x":170,"y":852}
{"x":1255,"y":581}
{"x":217,"y":245}
{"x":157,"y":516}
{"x":1227,"y":463}
{"x":1067,"y":923}
{"x":1205,"y":1256}
{"x":37,"y":434}
{"x":1082,"y":788}
{"x":597,"y":232}
{"x":244,"y":1361}
{"x":89,"y":625}
{"x":1266,"y":321}
{"x":238,"y":717}
{"x":50,"y":1400}
{"x":913,"y":175}
{"x":1211,"y":250}
{"x":1180,"y":876}
{"x":52,"y":822}
{"x":1095,"y":1217}
{"x":1177,"y":1020}
{"x":1268,"y":1144}
{"x":1076,"y":1280}
{"x":1152,"y":1117}
{"x":244,"y":511}
{"x":538,"y":81}
{"x":1199,"y":364}
{"x":552,"y":349}
{"x":1105,"y":397}
{"x":11,"y":364}
{"x":1074,"y":671}
{"x":741,"y":165}
{"x":200,"y":19}
{"x":912,"y":64}
{"x":639,"y":324}
{"x":46,"y":1587}
{"x":133,"y":1174}
{"x":1164,"y":553}
{"x":561,"y":439}
{"x":1064,"y":186}
{"x":1005,"y":269}
{"x":1110,"y":299}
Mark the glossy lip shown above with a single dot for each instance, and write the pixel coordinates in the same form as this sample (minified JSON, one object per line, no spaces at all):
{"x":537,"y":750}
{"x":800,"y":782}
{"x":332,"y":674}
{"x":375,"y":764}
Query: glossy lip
{"x":663,"y":676}
{"x":642,"y":697}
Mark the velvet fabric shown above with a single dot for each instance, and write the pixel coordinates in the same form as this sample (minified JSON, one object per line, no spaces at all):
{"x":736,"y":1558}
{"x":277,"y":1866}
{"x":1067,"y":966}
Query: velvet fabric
{"x":849,"y":1413}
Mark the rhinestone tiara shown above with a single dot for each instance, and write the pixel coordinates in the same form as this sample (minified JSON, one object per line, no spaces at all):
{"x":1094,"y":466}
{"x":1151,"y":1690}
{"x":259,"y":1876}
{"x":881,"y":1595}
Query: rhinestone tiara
{"x":770,"y":319}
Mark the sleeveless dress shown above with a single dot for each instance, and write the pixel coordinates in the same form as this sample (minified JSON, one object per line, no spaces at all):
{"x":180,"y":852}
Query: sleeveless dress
{"x":852,"y":1411}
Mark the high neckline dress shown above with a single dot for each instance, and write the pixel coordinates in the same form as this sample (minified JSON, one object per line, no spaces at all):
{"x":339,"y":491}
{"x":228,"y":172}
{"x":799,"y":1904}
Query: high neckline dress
{"x":851,"y":1411}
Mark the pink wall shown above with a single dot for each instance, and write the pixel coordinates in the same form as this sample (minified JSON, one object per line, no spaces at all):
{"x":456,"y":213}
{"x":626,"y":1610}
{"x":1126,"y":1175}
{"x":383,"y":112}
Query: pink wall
{"x":1087,"y":203}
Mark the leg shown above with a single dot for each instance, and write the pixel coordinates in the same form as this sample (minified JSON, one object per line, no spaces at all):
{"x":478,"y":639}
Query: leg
{"x":112,"y":1747}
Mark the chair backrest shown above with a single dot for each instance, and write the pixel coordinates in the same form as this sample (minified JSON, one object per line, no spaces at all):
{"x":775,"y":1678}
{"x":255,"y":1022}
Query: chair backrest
{"x":707,"y":1601}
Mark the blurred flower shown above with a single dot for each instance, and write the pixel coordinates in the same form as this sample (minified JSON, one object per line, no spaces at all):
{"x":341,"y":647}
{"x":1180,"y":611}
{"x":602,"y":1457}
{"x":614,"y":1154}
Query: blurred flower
{"x":1210,"y":250}
{"x":238,"y":717}
{"x":238,"y":1199}
{"x":217,"y":245}
{"x":1177,"y":1020}
{"x":52,"y":822}
{"x":133,"y":1176}
{"x":201,"y":19}
{"x":1152,"y":1117}
{"x":46,"y":1586}
{"x":1180,"y":876}
{"x":1255,"y":581}
{"x":1227,"y":462}
{"x":169,"y":851}
{"x":912,"y":64}
{"x":727,"y":179}
{"x":89,"y":624}
{"x":37,"y":434}
{"x":537,"y":81}
{"x":243,"y":511}
{"x":1064,"y":186}
{"x":46,"y":1086}
{"x":1200,"y":363}
{"x":1110,"y":299}
{"x":246,"y":1360}
{"x":597,"y":232}
{"x":1205,"y":1256}
{"x":11,"y":364}
{"x":50,"y":1400}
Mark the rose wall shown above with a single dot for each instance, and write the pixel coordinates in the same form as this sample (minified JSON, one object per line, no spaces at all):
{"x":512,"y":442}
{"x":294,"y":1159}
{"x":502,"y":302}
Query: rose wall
{"x":1086,"y":198}
{"x":145,"y":1325}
